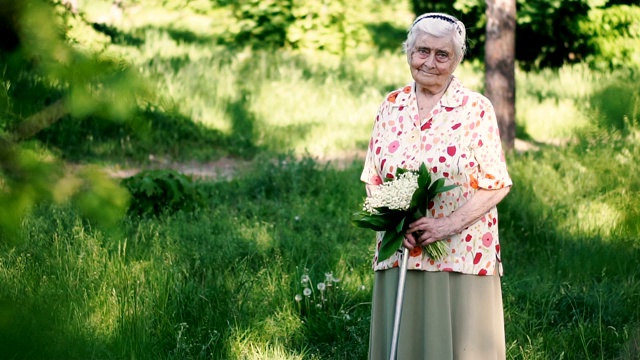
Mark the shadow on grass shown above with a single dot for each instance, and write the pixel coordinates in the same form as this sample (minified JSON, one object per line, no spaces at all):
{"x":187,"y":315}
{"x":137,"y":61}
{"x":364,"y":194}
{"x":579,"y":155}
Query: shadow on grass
{"x":26,"y":331}
{"x":189,"y":37}
{"x":118,"y":36}
{"x":243,"y":121}
{"x":149,"y":132}
{"x":137,"y":37}
{"x":618,"y":107}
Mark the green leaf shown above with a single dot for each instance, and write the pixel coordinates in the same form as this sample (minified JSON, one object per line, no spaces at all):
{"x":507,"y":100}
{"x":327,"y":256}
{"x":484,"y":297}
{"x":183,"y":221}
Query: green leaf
{"x":415,"y":198}
{"x":420,"y":200}
{"x":378,"y":222}
{"x":435,"y":186}
{"x":400,"y":226}
{"x":391,"y":242}
{"x":149,"y":187}
{"x":424,"y":176}
{"x":447,"y":188}
{"x":401,"y":171}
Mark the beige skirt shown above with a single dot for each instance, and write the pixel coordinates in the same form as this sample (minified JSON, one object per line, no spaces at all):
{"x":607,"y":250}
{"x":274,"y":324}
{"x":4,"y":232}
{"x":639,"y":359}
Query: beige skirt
{"x":445,"y":316}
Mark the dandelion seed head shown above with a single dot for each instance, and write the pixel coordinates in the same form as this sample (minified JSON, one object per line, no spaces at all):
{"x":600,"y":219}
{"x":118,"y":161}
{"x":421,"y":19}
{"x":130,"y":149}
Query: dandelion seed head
{"x":328,"y":278}
{"x":298,"y":297}
{"x":305,"y":278}
{"x":306,"y":292}
{"x":321,"y":286}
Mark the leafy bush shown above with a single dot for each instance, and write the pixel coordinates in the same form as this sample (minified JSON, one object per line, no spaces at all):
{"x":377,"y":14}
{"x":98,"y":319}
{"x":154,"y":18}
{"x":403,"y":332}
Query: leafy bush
{"x":155,"y":192}
{"x":263,"y":24}
{"x":614,"y":37}
{"x":332,"y":26}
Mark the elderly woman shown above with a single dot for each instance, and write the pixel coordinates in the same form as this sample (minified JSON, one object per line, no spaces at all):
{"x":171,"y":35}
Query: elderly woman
{"x":452,"y":306}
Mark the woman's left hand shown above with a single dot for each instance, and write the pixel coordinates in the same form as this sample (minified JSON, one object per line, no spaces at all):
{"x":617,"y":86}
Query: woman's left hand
{"x":425,"y":231}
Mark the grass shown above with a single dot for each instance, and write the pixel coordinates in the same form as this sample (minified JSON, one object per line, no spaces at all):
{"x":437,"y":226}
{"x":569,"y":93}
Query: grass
{"x":220,"y":282}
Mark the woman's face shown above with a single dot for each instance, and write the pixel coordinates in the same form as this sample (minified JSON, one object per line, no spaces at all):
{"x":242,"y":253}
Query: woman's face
{"x":432,"y":60}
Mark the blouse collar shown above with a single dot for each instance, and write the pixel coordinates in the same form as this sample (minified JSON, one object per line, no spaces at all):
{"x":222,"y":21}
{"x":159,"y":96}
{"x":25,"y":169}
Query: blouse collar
{"x":454,"y":96}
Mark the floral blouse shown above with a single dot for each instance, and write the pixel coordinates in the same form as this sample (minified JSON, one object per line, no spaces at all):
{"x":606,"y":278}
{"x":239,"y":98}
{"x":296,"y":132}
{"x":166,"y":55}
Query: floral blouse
{"x":459,"y":141}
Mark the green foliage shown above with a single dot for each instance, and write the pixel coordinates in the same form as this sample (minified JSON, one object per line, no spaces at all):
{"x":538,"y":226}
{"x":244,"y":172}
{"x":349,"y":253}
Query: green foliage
{"x":156,"y":192}
{"x":550,"y":28}
{"x":332,"y":26}
{"x":263,"y":24}
{"x":45,"y":80}
{"x":614,"y":37}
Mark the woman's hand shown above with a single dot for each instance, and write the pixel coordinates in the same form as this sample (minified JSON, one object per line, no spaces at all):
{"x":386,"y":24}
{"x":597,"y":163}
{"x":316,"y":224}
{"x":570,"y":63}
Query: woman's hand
{"x":425,"y":231}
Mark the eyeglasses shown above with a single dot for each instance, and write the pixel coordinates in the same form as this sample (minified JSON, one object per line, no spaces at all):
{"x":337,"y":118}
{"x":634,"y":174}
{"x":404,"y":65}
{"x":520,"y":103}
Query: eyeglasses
{"x":423,"y":53}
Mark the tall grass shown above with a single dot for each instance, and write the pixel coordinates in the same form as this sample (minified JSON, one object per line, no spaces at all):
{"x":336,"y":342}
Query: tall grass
{"x":227,"y":281}
{"x":221,"y":282}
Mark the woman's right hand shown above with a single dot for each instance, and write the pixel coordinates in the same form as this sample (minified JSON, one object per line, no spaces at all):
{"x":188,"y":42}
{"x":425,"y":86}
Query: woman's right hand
{"x":425,"y":231}
{"x":409,"y":241}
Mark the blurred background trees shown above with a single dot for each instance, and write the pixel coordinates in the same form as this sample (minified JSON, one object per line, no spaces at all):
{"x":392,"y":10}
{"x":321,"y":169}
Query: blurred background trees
{"x":49,"y":76}
{"x":45,"y":79}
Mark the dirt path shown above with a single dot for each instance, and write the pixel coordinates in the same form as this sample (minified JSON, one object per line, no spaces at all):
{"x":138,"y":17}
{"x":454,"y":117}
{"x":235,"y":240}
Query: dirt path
{"x":222,"y":169}
{"x":225,"y":168}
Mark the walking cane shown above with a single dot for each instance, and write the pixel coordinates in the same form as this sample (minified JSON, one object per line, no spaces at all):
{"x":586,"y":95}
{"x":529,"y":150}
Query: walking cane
{"x":399,"y":299}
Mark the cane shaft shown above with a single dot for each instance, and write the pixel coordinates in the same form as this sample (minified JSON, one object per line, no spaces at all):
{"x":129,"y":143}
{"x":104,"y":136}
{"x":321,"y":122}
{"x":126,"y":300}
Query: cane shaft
{"x":399,"y":300}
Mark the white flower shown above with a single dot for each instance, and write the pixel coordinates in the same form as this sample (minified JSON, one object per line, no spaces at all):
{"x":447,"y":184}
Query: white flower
{"x":321,"y":286}
{"x":329,"y":279}
{"x":305,"y":278}
{"x":306,"y":292}
{"x":394,"y":194}
{"x":298,"y":297}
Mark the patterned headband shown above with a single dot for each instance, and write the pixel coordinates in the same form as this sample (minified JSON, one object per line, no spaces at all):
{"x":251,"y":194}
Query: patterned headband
{"x":439,"y":17}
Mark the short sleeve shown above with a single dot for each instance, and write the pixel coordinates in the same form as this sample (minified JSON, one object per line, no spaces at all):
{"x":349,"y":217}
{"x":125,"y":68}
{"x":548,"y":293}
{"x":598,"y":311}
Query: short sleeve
{"x":488,"y":150}
{"x":370,"y":173}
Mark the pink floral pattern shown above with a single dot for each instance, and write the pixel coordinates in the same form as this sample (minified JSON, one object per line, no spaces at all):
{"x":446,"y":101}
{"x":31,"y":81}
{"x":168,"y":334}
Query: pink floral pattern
{"x":459,"y":141}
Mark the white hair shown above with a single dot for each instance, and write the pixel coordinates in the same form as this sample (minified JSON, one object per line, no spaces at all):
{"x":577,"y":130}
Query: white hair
{"x":438,"y":25}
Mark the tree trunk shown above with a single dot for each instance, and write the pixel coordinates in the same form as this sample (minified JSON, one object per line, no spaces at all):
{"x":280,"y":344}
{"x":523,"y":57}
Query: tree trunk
{"x":500,"y":66}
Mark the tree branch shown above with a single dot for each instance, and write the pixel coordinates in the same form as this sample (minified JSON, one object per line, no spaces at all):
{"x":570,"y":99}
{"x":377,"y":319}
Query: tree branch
{"x":39,"y":121}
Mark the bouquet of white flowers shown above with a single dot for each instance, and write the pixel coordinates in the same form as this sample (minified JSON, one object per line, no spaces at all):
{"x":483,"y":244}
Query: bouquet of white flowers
{"x":392,"y":206}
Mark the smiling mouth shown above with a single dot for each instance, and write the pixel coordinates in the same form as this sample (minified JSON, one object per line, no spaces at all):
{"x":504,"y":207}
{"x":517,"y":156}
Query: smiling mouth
{"x":427,"y":73}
